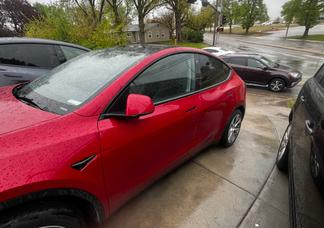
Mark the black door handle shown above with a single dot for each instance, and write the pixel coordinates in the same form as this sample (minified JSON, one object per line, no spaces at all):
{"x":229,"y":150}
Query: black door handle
{"x":191,"y":109}
{"x":309,"y":127}
{"x":230,"y":94}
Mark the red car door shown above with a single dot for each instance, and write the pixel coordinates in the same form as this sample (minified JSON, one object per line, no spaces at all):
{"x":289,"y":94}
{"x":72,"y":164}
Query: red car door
{"x":137,"y":151}
{"x":217,"y":98}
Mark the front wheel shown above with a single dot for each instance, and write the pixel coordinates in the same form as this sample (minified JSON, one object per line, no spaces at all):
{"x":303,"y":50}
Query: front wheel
{"x":277,"y":85}
{"x":283,"y":151}
{"x":41,"y":215}
{"x":233,"y":129}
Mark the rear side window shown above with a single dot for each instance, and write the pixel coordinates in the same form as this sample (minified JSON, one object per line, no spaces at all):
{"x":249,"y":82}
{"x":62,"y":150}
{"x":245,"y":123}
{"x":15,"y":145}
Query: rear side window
{"x":210,"y":71}
{"x":70,"y":52}
{"x":32,"y":55}
{"x":238,"y":61}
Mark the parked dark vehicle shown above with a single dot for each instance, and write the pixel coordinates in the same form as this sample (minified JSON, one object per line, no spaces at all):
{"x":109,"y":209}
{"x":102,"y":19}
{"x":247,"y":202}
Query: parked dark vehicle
{"x":25,"y":59}
{"x":301,"y":152}
{"x":257,"y":70}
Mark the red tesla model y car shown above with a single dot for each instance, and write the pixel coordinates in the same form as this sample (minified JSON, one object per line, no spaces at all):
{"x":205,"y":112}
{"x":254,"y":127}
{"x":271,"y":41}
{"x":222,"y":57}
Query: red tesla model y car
{"x":78,"y":142}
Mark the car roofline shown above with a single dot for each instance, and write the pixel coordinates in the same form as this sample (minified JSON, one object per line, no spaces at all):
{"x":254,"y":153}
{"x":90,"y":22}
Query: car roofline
{"x":26,"y":40}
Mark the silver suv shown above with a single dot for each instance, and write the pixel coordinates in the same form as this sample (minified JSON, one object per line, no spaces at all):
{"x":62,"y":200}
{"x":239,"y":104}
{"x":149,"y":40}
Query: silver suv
{"x":25,"y":59}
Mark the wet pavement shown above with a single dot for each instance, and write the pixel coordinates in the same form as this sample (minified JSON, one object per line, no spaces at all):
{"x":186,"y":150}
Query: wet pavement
{"x":234,"y":187}
{"x":295,"y":47}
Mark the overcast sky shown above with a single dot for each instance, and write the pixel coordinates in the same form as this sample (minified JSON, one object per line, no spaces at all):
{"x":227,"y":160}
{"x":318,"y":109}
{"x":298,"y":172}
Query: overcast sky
{"x":274,"y":6}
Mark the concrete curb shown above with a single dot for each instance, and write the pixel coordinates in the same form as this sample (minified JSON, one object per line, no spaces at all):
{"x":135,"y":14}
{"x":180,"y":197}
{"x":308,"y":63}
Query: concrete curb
{"x":310,"y":41}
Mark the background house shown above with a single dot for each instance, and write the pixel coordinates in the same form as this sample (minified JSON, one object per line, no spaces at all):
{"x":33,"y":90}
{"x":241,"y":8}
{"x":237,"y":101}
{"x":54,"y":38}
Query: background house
{"x":154,"y":32}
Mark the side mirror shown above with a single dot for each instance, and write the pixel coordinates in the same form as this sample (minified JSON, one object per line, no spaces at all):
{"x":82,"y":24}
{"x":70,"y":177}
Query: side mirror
{"x":265,"y":68}
{"x":138,"y":105}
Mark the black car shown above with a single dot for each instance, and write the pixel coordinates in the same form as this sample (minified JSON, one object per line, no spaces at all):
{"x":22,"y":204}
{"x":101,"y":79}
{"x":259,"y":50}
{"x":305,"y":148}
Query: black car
{"x":301,"y":152}
{"x":257,"y":70}
{"x":24,"y":59}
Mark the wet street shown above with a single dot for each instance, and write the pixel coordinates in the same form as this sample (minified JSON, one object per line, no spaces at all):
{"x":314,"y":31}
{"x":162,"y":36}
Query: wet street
{"x":234,"y":187}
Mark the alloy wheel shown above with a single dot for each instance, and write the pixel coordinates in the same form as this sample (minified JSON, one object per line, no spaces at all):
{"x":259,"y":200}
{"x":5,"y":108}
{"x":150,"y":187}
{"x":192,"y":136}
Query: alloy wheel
{"x":277,"y":85}
{"x":234,"y":128}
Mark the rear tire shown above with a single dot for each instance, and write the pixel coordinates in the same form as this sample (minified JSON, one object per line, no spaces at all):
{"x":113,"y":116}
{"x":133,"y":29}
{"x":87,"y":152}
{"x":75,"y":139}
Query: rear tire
{"x":315,"y":168}
{"x":277,"y":85}
{"x":232,"y":129}
{"x":283,"y":151}
{"x":43,"y":215}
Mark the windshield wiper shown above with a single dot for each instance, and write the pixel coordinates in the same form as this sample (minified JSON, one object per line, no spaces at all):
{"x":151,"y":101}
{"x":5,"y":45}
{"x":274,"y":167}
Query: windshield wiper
{"x":29,"y":101}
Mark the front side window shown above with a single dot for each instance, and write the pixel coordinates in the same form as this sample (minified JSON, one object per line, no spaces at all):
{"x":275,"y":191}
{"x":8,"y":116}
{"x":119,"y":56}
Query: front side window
{"x":30,"y":55}
{"x":255,"y":63}
{"x":70,"y":52}
{"x":169,"y":78}
{"x":268,"y":62}
{"x":70,"y":85}
{"x":210,"y":71}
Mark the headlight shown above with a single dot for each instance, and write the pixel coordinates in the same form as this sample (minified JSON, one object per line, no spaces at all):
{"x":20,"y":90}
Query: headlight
{"x":294,"y":75}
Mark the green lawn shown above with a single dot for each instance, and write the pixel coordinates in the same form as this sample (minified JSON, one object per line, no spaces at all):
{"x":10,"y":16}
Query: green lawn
{"x":185,"y":44}
{"x":319,"y":37}
{"x":257,"y":30}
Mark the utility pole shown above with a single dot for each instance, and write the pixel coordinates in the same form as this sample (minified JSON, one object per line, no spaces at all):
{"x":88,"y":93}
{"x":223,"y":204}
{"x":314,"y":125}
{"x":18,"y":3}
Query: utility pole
{"x":215,"y":27}
{"x":218,"y":17}
{"x":175,"y":29}
{"x":219,"y":9}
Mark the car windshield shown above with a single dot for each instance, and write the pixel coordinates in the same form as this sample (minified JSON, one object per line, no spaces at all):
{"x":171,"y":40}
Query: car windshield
{"x":70,"y":85}
{"x":268,"y":62}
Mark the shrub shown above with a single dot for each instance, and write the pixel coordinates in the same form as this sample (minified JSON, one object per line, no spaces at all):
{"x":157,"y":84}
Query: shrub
{"x":192,"y":35}
{"x":67,"y":25}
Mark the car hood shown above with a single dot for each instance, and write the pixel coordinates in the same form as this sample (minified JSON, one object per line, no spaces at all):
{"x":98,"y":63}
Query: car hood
{"x":285,"y":68}
{"x":15,"y":115}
